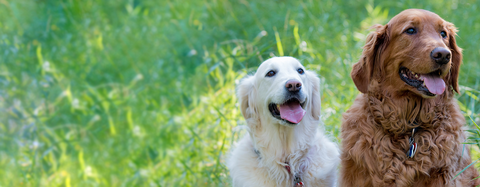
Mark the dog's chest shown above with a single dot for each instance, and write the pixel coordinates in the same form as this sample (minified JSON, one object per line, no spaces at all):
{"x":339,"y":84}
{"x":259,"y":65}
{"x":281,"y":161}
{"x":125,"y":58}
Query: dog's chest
{"x":427,"y":153}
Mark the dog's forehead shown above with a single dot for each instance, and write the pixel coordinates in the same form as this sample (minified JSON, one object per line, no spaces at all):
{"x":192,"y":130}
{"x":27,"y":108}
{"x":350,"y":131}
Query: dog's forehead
{"x":277,"y":63}
{"x":415,"y":16}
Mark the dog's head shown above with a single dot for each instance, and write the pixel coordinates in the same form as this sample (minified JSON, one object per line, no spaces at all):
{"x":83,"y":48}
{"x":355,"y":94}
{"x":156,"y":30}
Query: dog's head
{"x":415,"y":52}
{"x":281,"y":92}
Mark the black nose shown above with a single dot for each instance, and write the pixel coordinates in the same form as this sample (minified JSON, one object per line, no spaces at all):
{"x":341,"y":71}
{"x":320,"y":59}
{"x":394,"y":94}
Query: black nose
{"x":441,"y":55}
{"x":293,"y":85}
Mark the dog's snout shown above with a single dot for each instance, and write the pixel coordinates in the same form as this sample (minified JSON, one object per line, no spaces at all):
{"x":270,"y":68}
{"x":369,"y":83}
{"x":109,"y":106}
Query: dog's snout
{"x":293,"y":85}
{"x":441,"y":55}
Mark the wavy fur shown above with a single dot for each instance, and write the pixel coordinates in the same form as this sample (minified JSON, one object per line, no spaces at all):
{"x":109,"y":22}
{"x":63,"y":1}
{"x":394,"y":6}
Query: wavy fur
{"x":377,"y":127}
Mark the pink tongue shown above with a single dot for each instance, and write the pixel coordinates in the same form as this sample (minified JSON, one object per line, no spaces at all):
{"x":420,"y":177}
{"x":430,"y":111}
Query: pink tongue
{"x":292,"y":112}
{"x":436,"y":85}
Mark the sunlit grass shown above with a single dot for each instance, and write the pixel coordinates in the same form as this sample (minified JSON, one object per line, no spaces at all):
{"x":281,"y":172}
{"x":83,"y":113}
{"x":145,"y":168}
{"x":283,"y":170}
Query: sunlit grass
{"x":142,"y":93}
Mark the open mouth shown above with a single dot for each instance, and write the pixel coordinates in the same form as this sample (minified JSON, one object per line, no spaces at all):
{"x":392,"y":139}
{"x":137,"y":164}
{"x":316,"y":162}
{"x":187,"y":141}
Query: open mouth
{"x":291,"y":111}
{"x":431,"y":84}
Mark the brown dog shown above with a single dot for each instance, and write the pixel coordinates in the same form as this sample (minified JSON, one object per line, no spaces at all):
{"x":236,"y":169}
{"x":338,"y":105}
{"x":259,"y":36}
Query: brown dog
{"x":405,"y":127}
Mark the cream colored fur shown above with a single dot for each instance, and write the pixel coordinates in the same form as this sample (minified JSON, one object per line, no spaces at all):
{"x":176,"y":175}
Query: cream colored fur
{"x":304,"y":146}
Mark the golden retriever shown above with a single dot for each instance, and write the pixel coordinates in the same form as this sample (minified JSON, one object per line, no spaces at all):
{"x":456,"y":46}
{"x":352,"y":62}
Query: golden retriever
{"x":405,"y":128}
{"x":284,"y":146}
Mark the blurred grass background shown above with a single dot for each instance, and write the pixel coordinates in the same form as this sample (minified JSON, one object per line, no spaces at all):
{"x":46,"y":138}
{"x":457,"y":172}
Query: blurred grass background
{"x":142,"y":92}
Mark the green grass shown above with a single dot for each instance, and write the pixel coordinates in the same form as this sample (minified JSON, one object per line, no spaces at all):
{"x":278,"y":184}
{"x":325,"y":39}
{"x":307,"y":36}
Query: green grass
{"x":142,"y":93}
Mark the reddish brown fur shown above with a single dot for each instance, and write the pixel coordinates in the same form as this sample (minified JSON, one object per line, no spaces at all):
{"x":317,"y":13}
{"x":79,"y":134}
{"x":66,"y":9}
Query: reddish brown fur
{"x":377,"y":127}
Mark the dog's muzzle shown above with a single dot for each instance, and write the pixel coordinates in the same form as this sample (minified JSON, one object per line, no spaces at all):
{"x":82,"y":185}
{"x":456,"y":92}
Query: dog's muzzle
{"x":291,"y":111}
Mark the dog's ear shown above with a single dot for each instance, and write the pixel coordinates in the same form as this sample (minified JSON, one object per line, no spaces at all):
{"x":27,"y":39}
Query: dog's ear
{"x":452,"y":78}
{"x":315,"y":101}
{"x":245,"y":93}
{"x":363,"y":70}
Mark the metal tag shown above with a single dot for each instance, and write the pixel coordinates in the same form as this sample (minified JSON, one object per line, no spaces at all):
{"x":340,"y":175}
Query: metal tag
{"x":412,"y":150}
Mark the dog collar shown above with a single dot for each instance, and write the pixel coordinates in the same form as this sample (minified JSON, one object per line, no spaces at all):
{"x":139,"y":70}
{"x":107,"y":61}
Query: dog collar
{"x":297,"y":179}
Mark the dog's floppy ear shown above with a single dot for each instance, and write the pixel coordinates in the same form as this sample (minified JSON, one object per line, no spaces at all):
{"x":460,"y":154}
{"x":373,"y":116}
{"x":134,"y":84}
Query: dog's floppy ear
{"x":456,"y":57}
{"x":363,"y":70}
{"x":315,"y":101}
{"x":245,"y":93}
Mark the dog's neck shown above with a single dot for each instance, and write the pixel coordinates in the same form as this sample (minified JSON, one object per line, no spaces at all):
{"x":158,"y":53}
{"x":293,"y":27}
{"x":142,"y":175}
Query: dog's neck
{"x":277,"y":144}
{"x":400,"y":114}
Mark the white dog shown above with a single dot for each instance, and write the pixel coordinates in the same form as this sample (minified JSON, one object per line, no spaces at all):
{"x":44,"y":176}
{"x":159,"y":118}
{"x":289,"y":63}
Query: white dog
{"x":281,"y":104}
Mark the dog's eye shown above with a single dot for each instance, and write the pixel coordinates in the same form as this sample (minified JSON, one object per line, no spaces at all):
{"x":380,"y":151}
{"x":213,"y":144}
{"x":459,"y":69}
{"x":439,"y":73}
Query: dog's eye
{"x":300,"y":71}
{"x":444,"y":34}
{"x":271,"y":73}
{"x":410,"y":31}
